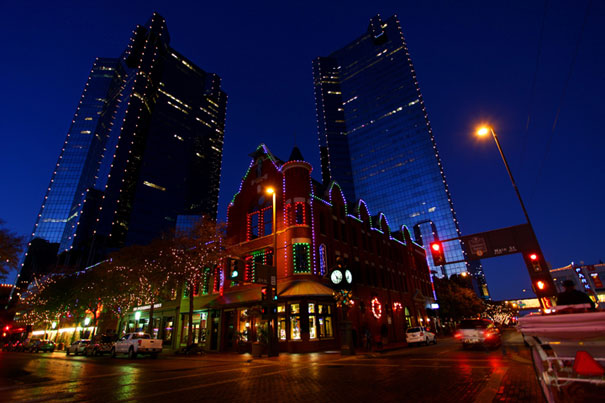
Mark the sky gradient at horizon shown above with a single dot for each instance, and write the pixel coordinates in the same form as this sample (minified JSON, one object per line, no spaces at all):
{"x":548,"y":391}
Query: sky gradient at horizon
{"x":475,"y":62}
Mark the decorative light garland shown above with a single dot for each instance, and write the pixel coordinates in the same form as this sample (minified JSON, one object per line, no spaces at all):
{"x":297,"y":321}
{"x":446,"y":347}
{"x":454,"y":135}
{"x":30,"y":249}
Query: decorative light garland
{"x":376,"y":308}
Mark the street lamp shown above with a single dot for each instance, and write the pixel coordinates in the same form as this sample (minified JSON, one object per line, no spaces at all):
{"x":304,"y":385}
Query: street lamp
{"x":273,"y":347}
{"x":543,"y":284}
{"x":484,"y":131}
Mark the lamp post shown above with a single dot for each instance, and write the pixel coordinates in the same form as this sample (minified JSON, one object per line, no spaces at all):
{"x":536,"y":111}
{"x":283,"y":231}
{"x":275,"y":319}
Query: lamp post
{"x":272,"y":192}
{"x":273,"y":344}
{"x":536,"y":264}
{"x":484,"y":131}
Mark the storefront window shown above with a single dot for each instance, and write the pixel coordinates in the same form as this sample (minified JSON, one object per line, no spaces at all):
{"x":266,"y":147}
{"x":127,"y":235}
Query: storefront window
{"x":295,"y":322}
{"x":168,"y":330}
{"x":312,"y":322}
{"x":185,"y":329}
{"x":203,"y":327}
{"x":324,"y":321}
{"x":408,"y":317}
{"x":281,"y":322}
{"x":244,"y":324}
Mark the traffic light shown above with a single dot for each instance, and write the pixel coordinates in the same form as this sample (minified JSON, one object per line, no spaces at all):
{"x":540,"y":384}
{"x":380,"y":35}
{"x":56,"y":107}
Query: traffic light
{"x":540,"y":285}
{"x":268,"y":294}
{"x":437,"y":253}
{"x":264,"y":294}
{"x":237,"y":269}
{"x":274,"y":293}
{"x":534,"y":258}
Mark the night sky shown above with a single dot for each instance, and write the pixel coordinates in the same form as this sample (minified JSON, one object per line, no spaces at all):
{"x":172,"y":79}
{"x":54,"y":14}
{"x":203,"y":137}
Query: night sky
{"x":475,"y":62}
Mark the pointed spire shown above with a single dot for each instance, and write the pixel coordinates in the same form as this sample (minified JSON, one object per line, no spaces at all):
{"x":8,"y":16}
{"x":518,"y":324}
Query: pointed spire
{"x":296,"y":155}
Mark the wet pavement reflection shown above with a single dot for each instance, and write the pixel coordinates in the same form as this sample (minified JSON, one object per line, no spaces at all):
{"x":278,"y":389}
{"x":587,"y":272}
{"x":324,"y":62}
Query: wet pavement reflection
{"x":443,"y":372}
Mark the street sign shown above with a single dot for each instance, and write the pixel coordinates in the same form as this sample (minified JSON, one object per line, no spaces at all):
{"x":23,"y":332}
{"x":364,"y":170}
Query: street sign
{"x":500,"y":242}
{"x":264,"y":274}
{"x":477,"y":246}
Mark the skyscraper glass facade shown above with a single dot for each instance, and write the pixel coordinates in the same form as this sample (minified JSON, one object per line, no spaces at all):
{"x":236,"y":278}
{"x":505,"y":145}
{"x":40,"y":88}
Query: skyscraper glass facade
{"x":145,"y":146}
{"x":375,"y":137}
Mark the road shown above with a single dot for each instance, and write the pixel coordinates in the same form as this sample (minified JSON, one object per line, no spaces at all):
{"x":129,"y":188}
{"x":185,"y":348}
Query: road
{"x":441,"y":372}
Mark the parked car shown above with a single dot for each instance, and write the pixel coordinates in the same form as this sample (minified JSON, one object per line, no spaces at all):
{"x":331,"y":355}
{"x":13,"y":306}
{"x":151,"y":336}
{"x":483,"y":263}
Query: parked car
{"x":12,"y":345}
{"x":137,"y":343}
{"x":42,"y":345}
{"x":418,"y":335}
{"x":28,"y":345}
{"x":100,"y":345}
{"x":478,"y":332}
{"x":77,"y":347}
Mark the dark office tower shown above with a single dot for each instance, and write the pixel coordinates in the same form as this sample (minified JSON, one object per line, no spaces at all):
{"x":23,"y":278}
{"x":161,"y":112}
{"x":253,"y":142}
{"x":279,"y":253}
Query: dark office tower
{"x":145,"y":145}
{"x":376,"y":140}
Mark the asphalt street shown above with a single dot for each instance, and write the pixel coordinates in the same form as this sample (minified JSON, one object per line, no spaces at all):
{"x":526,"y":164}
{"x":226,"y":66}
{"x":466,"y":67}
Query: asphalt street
{"x":441,"y":372}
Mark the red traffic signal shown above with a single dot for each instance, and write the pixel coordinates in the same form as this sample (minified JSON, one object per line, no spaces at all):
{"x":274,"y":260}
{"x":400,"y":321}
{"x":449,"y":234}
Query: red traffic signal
{"x":534,"y":258}
{"x":437,"y":253}
{"x":263,"y":292}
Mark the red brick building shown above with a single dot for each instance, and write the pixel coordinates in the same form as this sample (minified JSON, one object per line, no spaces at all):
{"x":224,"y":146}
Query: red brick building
{"x":315,"y":225}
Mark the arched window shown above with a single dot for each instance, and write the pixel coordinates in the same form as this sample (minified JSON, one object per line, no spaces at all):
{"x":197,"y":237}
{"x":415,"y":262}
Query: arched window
{"x":300,"y":213}
{"x":323,"y":259}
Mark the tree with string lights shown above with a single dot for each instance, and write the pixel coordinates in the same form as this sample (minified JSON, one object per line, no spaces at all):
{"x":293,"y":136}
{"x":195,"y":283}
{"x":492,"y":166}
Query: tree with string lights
{"x":11,"y":246}
{"x":143,"y":273}
{"x":190,"y":252}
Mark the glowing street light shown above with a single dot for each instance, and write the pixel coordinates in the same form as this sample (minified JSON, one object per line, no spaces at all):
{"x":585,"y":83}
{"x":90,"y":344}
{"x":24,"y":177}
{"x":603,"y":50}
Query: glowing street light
{"x":483,"y":131}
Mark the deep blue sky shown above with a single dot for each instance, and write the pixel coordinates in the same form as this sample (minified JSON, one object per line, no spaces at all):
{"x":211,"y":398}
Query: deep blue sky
{"x":475,"y":61}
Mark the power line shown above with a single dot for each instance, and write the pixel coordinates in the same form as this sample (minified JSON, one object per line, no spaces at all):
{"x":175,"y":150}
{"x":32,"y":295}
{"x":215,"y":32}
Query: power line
{"x":533,"y":84}
{"x":561,"y":99}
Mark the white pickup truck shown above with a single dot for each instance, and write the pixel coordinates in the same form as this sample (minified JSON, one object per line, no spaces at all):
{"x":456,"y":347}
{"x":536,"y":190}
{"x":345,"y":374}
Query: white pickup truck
{"x":137,"y":343}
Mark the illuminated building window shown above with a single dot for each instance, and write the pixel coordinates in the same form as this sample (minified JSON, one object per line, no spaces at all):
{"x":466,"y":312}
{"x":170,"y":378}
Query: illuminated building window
{"x":253,"y":221}
{"x":282,"y":329}
{"x":323,"y":259}
{"x":294,"y":321}
{"x":267,"y":220}
{"x":302,"y":257}
{"x":300,"y":213}
{"x":260,"y":223}
{"x":320,"y":321}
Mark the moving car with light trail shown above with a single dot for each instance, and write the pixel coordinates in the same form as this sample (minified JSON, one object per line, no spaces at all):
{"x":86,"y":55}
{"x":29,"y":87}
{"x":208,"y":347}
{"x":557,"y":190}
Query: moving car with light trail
{"x":478,"y":332}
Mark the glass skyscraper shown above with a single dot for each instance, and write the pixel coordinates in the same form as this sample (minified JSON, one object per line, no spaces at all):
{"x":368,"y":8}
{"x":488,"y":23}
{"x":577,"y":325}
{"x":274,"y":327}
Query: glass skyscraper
{"x":145,"y":146}
{"x":376,"y":140}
